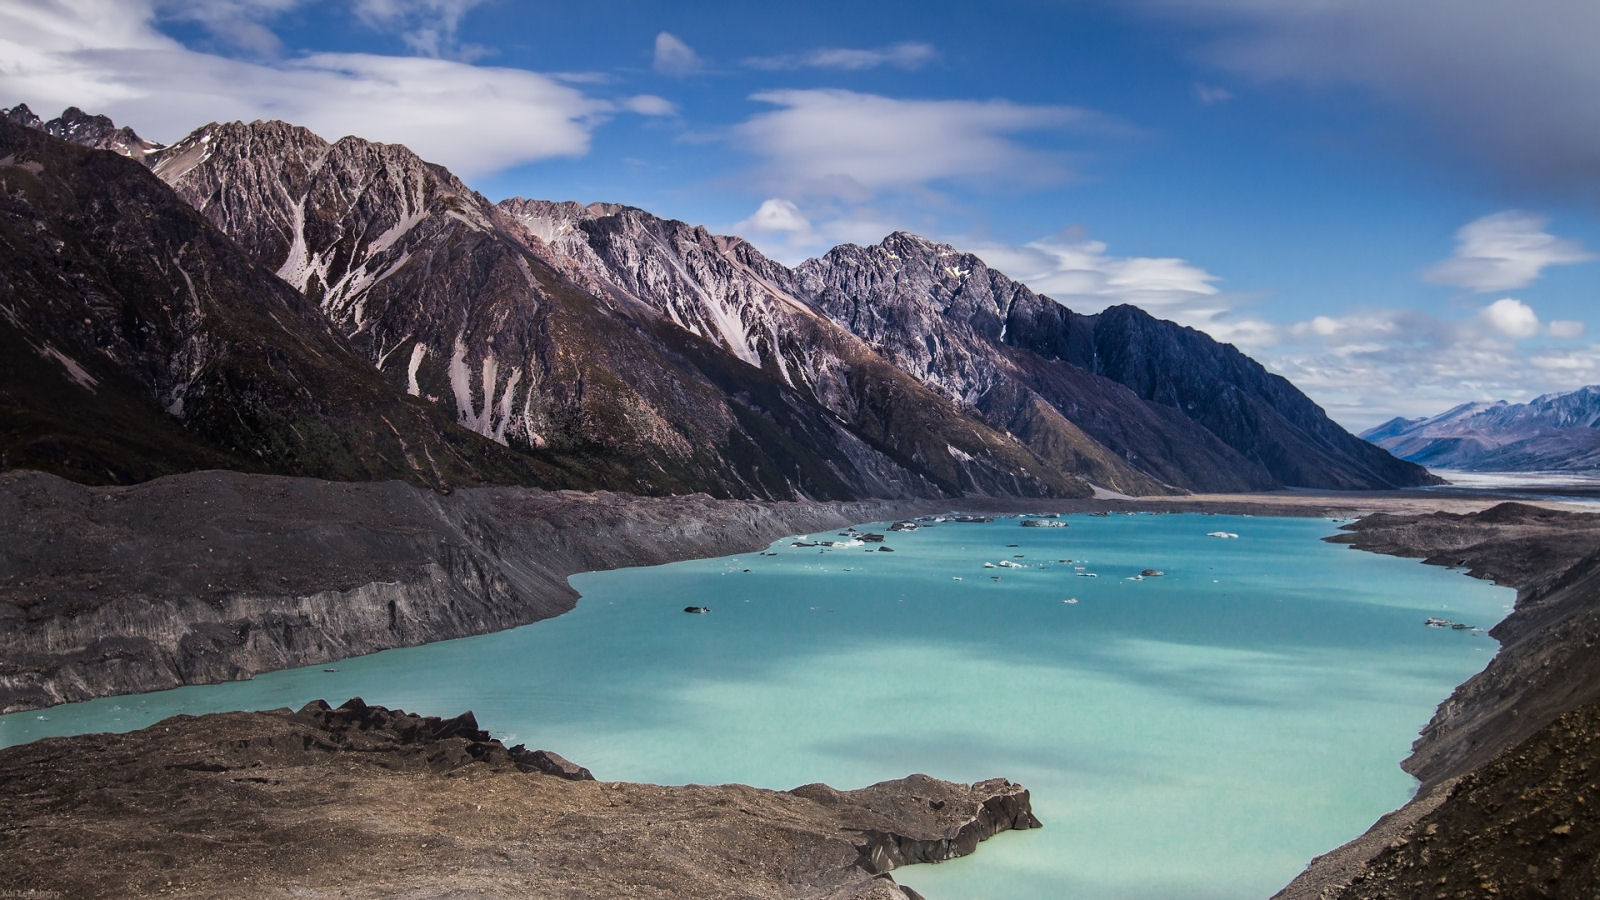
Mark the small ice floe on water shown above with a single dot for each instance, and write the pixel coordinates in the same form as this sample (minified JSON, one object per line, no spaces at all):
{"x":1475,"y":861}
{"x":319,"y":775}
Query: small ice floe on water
{"x":1088,"y":575}
{"x":697,"y":610}
{"x":1070,"y":601}
{"x":955,"y":577}
{"x":330,"y":669}
{"x":42,"y":718}
{"x":1438,"y":622}
{"x":1008,"y":564}
{"x":988,"y":565}
{"x":1134,"y":578}
{"x":1221,"y":534}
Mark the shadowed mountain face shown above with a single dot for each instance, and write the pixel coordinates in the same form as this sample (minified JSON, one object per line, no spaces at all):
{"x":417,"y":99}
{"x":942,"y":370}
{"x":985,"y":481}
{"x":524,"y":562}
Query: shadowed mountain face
{"x":1550,"y":433}
{"x":1166,"y":398}
{"x":136,"y":340}
{"x":626,"y":351}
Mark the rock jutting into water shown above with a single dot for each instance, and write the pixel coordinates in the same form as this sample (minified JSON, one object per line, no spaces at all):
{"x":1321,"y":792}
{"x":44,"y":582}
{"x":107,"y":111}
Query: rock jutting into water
{"x":378,"y":802}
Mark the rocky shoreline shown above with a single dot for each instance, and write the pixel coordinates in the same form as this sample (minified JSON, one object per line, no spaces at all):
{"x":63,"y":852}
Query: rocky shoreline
{"x":366,"y":801}
{"x":217,"y":575}
{"x":1507,"y":801}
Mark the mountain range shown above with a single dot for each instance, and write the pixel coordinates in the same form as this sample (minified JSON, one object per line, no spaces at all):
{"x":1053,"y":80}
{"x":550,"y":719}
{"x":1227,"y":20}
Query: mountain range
{"x":256,"y":297}
{"x":1550,"y":433}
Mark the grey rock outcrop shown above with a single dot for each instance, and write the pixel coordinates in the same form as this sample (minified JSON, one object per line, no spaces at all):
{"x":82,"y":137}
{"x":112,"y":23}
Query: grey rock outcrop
{"x":81,"y":128}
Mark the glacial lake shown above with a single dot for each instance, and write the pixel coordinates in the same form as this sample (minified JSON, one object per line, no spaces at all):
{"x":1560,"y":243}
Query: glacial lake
{"x":1199,"y":734}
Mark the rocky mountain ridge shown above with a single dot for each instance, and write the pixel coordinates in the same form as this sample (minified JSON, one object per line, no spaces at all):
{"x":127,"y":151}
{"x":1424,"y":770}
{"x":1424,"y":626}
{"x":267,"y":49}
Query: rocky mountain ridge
{"x":457,"y":303}
{"x":627,"y":351}
{"x":1550,"y":433}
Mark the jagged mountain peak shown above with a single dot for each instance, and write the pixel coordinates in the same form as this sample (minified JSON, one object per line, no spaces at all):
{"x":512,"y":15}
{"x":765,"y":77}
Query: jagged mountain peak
{"x":81,"y":128}
{"x":22,"y":115}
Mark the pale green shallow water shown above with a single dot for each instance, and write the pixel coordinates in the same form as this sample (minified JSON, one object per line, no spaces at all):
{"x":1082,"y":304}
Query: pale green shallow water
{"x":1201,"y":734}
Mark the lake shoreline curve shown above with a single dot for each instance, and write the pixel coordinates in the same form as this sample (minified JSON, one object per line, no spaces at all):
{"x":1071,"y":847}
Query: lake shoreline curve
{"x":216,"y":576}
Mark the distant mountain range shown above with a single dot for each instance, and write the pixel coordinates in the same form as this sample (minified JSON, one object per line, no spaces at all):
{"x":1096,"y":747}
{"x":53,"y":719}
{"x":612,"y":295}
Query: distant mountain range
{"x":1552,"y":433}
{"x":256,"y":297}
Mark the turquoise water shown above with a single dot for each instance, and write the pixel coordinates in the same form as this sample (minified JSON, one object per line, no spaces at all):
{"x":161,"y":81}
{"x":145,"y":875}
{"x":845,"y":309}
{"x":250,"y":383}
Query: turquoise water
{"x":1199,"y":734}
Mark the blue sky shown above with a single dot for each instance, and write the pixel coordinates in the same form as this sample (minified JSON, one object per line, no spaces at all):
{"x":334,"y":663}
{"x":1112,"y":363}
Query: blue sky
{"x":1395,"y":205}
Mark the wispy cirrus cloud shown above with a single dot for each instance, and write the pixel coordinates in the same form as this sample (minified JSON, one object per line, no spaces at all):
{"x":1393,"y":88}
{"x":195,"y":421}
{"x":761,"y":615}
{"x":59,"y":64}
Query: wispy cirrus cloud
{"x":427,"y":27}
{"x":1504,"y":251}
{"x":674,"y":57}
{"x":853,"y":145}
{"x":240,"y":24}
{"x":908,"y":55}
{"x":1211,"y":95}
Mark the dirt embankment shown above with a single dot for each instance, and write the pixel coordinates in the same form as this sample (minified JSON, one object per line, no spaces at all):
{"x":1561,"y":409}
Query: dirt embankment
{"x":216,"y":576}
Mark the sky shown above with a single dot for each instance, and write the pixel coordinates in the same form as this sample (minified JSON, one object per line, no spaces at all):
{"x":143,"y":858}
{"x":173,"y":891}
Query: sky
{"x":1394,"y":205}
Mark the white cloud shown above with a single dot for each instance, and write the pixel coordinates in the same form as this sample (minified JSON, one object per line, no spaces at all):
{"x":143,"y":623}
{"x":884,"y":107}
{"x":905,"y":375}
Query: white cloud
{"x":844,"y":144}
{"x":1370,"y":365}
{"x":1211,"y":95}
{"x":1565,"y":329}
{"x":650,"y":105}
{"x":107,"y":56}
{"x":775,"y":215}
{"x":674,"y":57}
{"x":1511,"y":318}
{"x":907,"y":55}
{"x":1504,"y":251}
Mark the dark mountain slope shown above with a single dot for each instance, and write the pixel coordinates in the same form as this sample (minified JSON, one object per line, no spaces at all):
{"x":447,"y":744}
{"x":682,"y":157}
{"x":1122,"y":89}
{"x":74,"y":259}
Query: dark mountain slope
{"x":1166,"y":399}
{"x":139,"y":341}
{"x":1259,"y":414}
